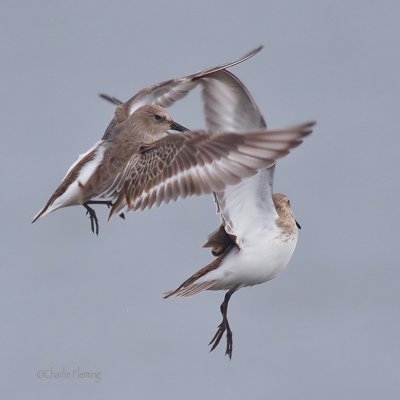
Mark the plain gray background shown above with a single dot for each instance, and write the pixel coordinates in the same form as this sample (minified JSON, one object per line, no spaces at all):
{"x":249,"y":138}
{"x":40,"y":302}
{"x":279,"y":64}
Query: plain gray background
{"x":327,"y":328}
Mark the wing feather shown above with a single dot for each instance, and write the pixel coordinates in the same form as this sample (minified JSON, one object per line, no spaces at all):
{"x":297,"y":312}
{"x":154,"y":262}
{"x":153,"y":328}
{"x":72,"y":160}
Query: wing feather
{"x":195,"y":163}
{"x":228,"y":105}
{"x":165,"y":93}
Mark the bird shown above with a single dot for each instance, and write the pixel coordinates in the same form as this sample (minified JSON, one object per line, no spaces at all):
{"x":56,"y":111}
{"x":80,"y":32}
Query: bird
{"x":258,"y":232}
{"x":90,"y":171}
{"x":256,"y":224}
{"x":141,"y":164}
{"x":94,"y":175}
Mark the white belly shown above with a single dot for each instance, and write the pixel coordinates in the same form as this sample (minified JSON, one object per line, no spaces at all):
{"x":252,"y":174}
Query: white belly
{"x":255,"y":263}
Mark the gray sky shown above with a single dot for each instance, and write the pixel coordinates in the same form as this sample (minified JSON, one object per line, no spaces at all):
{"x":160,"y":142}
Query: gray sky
{"x":328,"y":327}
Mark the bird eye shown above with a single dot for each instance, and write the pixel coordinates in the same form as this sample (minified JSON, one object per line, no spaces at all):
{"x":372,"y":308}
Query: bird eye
{"x":158,"y":117}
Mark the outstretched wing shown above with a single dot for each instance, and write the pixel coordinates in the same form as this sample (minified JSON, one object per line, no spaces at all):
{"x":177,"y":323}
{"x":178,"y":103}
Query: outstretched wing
{"x":165,"y":93}
{"x":195,"y":163}
{"x":228,"y":105}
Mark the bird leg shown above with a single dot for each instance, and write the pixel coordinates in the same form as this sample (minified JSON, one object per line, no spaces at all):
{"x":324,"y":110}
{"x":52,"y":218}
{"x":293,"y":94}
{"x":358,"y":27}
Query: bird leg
{"x":108,"y":203}
{"x":224,"y":326}
{"x":94,"y":222}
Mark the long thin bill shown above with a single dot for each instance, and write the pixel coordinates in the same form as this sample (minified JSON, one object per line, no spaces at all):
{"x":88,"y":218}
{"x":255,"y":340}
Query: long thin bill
{"x":177,"y":127}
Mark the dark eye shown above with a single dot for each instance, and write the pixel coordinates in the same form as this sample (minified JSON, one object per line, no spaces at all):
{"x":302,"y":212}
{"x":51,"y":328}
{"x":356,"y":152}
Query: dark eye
{"x":158,"y":117}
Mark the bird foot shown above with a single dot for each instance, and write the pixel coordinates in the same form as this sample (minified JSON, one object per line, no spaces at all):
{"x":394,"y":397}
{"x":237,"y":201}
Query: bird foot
{"x":94,"y":222}
{"x":222,"y":327}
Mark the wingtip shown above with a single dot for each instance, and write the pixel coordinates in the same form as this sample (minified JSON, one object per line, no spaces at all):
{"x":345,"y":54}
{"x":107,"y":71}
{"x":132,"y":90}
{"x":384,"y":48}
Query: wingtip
{"x":309,"y":127}
{"x":258,"y":49}
{"x":252,"y":53}
{"x":167,"y":295}
{"x":110,"y":99}
{"x":306,"y":128}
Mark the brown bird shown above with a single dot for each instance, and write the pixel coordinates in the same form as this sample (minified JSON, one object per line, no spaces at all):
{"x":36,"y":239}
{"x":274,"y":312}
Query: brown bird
{"x":89,"y":171}
{"x":93,"y":178}
{"x":139,"y":164}
{"x":258,"y":233}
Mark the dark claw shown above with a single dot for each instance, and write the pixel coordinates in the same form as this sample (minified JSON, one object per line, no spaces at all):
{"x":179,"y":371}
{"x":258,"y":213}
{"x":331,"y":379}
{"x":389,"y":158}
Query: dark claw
{"x":229,"y":342}
{"x":217,"y":337}
{"x":94,"y":222}
{"x":224,"y":326}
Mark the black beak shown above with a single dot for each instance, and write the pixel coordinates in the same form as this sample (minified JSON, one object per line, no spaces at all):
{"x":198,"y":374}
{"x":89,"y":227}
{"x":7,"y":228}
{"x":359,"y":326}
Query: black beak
{"x":298,"y":225}
{"x":177,"y":127}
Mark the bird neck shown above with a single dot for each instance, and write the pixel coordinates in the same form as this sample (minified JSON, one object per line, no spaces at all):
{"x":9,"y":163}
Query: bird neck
{"x":286,"y":219}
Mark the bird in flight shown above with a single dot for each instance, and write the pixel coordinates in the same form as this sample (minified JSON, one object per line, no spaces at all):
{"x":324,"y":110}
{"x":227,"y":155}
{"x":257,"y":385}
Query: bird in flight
{"x":138,"y":164}
{"x":97,"y":170}
{"x":258,"y":231}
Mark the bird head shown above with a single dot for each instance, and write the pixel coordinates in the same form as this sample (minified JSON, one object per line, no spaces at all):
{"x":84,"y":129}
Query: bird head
{"x":155,"y":121}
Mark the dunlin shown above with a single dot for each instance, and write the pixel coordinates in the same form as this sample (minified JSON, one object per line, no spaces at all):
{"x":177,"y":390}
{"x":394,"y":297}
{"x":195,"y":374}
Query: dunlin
{"x":137,"y":166}
{"x":96,"y":170}
{"x":140,"y":165}
{"x":196,"y":163}
{"x":258,"y":233}
{"x":95,"y":176}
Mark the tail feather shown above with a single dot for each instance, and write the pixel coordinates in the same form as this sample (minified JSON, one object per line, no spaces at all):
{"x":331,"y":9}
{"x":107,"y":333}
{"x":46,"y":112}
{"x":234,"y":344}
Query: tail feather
{"x":48,"y":208}
{"x":191,"y":286}
{"x":190,"y":290}
{"x":39,"y":215}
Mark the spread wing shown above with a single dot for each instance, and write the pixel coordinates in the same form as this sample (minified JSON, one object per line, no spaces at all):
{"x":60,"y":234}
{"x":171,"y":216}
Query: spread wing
{"x":228,"y":105}
{"x":165,"y":93}
{"x":194,"y":163}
